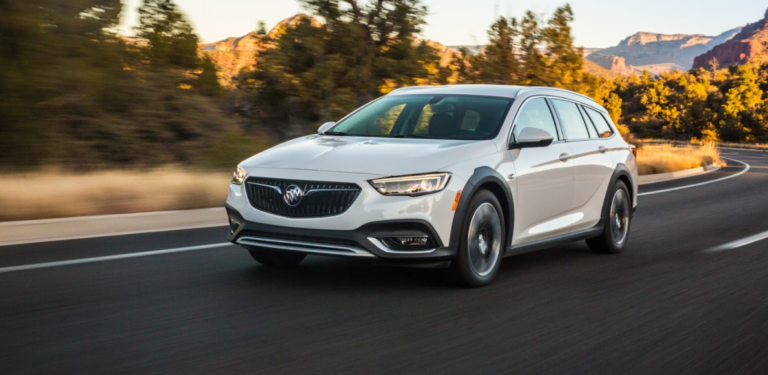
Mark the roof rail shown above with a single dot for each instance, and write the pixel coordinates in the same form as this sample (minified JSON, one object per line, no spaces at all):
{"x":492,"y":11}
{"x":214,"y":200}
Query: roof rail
{"x":411,"y":88}
{"x":529,"y":88}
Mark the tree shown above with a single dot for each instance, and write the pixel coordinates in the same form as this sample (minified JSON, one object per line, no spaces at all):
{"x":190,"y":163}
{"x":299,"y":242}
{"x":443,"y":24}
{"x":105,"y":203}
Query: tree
{"x":500,"y":65}
{"x":565,"y":62}
{"x":262,"y":28}
{"x":534,"y":64}
{"x":170,"y":38}
{"x":319,"y":73}
{"x":207,"y":82}
{"x":55,"y":55}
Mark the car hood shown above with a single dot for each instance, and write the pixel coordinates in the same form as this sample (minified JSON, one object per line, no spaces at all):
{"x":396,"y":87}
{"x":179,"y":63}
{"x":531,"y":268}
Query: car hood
{"x":367,"y":155}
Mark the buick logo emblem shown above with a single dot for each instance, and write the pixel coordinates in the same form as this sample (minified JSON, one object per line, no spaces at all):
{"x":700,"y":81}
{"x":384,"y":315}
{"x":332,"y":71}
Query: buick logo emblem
{"x":293,"y":195}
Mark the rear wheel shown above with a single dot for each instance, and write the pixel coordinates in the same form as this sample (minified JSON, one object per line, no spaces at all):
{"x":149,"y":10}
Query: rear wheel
{"x":618,"y":217}
{"x":482,"y":242}
{"x":276,"y":258}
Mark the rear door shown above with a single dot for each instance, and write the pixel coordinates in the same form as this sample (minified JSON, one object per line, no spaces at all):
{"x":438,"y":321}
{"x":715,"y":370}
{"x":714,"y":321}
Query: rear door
{"x":544,"y":180}
{"x":592,"y":165}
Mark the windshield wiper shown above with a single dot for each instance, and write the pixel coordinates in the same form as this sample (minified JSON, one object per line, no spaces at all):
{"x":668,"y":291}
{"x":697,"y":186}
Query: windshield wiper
{"x":412,"y":136}
{"x":335,"y":133}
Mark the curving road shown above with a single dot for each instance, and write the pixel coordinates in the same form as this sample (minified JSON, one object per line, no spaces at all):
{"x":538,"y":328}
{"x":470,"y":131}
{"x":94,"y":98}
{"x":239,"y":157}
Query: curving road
{"x":689,"y":295}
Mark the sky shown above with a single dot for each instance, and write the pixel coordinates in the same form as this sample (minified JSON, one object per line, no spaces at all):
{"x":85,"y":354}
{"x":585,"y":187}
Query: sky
{"x":598,"y":23}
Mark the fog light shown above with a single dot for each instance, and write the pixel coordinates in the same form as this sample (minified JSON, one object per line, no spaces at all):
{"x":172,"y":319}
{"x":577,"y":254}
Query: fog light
{"x":411,"y":241}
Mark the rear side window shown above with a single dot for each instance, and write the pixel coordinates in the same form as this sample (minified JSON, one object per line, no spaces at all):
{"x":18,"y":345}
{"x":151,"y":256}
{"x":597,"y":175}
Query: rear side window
{"x":536,"y":114}
{"x":590,"y":127}
{"x":601,"y":124}
{"x":571,"y":120}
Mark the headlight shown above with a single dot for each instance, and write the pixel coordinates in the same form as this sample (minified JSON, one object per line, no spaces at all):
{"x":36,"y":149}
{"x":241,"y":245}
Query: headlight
{"x":411,"y":185}
{"x":239,"y":176}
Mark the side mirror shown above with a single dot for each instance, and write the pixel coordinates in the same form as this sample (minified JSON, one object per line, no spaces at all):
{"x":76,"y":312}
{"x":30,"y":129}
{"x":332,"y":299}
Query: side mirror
{"x":323,"y":128}
{"x":533,"y":137}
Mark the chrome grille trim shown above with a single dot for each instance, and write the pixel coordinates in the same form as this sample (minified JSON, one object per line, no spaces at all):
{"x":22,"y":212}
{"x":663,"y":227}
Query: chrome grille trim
{"x":377,"y":242}
{"x":275,"y":188}
{"x":319,"y":199}
{"x":304,"y":246}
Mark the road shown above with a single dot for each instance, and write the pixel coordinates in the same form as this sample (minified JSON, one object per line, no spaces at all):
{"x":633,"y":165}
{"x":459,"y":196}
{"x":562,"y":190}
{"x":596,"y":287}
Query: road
{"x":676,"y":301}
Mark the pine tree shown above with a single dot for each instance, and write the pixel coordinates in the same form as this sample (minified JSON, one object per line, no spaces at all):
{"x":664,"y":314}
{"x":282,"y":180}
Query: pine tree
{"x":534,"y":65}
{"x":170,"y":38}
{"x":565,"y":62}
{"x":500,"y":65}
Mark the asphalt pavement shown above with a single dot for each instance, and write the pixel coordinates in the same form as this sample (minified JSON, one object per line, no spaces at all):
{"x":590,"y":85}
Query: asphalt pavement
{"x":688,"y":296}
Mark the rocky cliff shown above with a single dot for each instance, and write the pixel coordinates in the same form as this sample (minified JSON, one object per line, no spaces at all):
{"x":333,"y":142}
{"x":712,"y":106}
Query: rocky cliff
{"x":678,"y":50}
{"x":612,"y":63}
{"x":751,"y":42}
{"x":236,"y":54}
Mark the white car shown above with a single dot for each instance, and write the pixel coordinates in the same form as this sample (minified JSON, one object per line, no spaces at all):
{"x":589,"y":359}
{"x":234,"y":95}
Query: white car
{"x":456,"y":176}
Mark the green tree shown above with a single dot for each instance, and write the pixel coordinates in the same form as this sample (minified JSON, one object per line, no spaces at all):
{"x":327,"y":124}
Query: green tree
{"x":262,"y":28}
{"x":565,"y":62}
{"x":741,"y":112}
{"x":170,"y":38}
{"x":55,"y":56}
{"x":499,"y":64}
{"x":534,"y":63}
{"x":207,"y":82}
{"x":319,"y":73}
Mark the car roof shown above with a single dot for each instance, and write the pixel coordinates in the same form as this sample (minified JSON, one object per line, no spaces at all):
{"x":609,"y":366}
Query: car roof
{"x":488,"y":90}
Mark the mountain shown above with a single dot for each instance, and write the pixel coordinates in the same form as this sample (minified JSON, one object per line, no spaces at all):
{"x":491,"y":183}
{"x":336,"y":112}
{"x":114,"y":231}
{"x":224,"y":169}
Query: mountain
{"x":744,"y":46}
{"x":598,"y":70}
{"x":615,"y":64}
{"x":659,"y":52}
{"x":233,"y":55}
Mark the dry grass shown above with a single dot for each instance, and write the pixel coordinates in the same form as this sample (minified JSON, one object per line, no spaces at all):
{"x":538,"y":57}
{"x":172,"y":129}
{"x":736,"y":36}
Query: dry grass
{"x":665,"y":158}
{"x":54,"y":194}
{"x":50,"y":195}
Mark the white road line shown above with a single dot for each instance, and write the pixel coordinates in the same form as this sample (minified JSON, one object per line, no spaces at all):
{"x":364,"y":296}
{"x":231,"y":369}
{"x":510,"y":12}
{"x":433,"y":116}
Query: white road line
{"x":746,"y":169}
{"x":114,"y":234}
{"x":739,"y":243}
{"x":111,"y":257}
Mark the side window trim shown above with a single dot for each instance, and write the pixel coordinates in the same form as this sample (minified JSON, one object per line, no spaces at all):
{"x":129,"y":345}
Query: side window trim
{"x":556,"y":118}
{"x":588,"y":121}
{"x":559,"y":121}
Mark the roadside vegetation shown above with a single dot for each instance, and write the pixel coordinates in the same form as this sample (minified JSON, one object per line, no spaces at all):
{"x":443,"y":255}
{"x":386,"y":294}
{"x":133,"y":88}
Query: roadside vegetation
{"x":654,"y":158}
{"x":54,"y":194}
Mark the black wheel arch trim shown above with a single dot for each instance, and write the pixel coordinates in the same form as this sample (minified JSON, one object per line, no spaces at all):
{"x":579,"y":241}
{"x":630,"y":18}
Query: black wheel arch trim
{"x":482,"y":176}
{"x":620,"y":171}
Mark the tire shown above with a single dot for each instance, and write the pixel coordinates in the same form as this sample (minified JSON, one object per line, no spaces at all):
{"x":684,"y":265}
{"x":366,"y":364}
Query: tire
{"x":618,"y":220}
{"x":277,"y":258}
{"x":482,"y":242}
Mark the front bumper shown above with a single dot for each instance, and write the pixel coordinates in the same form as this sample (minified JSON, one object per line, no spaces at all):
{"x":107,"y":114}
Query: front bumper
{"x":356,"y":243}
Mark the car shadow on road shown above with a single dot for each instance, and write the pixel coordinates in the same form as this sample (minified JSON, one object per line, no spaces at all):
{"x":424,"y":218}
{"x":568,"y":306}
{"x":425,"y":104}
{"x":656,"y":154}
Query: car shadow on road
{"x":339,"y":273}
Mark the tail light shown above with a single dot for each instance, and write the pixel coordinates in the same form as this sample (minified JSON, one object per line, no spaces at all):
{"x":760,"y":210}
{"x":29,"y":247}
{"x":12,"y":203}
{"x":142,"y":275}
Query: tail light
{"x":633,"y":148}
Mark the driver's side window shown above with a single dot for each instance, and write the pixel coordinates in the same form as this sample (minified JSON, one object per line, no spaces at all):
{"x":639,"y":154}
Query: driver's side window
{"x":536,"y":114}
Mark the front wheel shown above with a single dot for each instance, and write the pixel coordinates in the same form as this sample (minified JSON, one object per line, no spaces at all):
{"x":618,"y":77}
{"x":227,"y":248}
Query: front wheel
{"x":482,"y":242}
{"x":276,"y":258}
{"x":617,"y":222}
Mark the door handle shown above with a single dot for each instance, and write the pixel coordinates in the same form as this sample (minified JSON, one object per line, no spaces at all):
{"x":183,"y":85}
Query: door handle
{"x":565,"y":157}
{"x":602,"y":149}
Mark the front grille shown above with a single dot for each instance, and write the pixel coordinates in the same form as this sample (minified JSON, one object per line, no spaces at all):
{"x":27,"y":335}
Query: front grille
{"x":319,"y":198}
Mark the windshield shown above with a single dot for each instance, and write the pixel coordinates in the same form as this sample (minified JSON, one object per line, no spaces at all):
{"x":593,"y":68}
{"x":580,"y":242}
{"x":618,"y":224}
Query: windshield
{"x":428,"y":116}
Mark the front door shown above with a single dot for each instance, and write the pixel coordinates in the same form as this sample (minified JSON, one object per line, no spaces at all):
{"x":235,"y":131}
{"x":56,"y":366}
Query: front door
{"x":544,"y":179}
